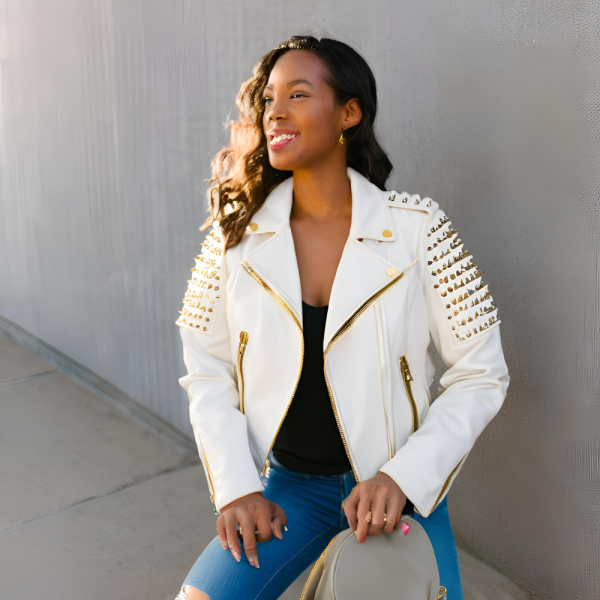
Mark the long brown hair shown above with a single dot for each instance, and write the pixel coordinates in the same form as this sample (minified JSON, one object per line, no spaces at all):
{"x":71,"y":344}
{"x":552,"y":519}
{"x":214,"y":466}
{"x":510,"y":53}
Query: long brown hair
{"x":243,"y":174}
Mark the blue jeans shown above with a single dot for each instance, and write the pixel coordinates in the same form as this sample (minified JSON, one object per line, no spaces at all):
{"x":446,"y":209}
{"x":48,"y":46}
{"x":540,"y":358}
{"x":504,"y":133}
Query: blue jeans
{"x":312,"y":504}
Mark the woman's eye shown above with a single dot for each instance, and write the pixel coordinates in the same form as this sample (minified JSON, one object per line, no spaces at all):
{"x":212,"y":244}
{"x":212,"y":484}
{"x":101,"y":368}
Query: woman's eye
{"x":296,"y":94}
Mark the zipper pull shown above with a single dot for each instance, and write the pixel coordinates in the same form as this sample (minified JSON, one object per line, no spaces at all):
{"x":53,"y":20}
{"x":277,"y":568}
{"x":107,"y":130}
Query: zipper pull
{"x":405,"y":369}
{"x":243,"y":338}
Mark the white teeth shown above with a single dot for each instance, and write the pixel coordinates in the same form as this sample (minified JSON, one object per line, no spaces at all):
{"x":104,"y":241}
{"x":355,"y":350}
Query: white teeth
{"x":283,"y":136}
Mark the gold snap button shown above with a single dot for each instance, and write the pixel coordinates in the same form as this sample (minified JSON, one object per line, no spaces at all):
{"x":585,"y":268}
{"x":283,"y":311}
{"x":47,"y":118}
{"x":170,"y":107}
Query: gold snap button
{"x":390,"y":271}
{"x":253,"y":226}
{"x":387,"y":233}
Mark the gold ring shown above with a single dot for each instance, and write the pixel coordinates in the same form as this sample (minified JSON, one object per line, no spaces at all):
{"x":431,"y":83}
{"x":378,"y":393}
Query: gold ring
{"x":369,"y":517}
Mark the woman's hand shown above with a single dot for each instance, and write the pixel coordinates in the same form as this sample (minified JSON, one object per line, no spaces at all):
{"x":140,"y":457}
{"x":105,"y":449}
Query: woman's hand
{"x":372,"y":495}
{"x":252,"y":512}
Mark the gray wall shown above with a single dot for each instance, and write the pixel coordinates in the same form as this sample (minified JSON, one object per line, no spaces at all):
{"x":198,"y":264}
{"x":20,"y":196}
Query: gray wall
{"x":111,"y":112}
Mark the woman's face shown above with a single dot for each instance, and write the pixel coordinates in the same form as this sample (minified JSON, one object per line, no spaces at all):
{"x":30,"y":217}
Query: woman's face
{"x":298,"y":101}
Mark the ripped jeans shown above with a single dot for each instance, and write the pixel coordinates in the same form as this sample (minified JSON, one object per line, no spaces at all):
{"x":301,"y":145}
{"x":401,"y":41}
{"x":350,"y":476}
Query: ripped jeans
{"x":313,"y":506}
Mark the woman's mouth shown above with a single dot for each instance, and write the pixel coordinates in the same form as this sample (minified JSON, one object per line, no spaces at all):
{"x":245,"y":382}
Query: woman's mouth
{"x":277,"y":143}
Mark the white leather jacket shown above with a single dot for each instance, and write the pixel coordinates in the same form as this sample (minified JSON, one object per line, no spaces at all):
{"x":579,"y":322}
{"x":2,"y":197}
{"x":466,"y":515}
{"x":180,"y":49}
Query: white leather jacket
{"x":404,"y":276}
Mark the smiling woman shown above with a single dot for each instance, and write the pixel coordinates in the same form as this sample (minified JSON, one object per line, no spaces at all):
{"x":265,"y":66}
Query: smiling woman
{"x":322,"y":93}
{"x":309,"y":104}
{"x":305,"y":331}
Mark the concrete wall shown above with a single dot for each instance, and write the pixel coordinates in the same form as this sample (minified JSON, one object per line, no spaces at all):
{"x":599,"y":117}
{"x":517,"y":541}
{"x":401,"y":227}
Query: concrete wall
{"x":111,"y":112}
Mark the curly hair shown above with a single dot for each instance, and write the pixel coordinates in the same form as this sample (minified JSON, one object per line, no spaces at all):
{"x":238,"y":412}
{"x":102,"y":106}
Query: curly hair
{"x":243,"y":174}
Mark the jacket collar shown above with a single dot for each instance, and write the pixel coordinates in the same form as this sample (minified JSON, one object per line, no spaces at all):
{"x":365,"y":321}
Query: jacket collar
{"x":362,"y":272}
{"x":370,"y":215}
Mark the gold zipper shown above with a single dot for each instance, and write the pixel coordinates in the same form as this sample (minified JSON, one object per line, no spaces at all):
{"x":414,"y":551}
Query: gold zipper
{"x":283,"y":303}
{"x":346,"y":325}
{"x":446,"y":484}
{"x":240,"y":357}
{"x":407,"y":378}
{"x":315,"y":566}
{"x":210,"y":478}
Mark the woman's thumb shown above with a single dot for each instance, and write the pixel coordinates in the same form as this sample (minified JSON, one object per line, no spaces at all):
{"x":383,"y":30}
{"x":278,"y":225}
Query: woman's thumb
{"x":276,"y":528}
{"x":278,"y":520}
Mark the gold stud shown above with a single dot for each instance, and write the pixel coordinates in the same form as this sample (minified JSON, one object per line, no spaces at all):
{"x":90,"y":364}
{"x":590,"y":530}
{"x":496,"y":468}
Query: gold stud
{"x":253,"y":226}
{"x":391,"y":271}
{"x":387,"y":233}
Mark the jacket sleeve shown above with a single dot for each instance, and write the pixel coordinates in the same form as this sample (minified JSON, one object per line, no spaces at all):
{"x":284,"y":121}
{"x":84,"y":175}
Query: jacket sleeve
{"x":464,"y":325}
{"x":220,"y":428}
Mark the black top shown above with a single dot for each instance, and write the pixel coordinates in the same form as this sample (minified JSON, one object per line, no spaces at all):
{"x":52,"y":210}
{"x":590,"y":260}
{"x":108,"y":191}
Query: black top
{"x":309,"y":440}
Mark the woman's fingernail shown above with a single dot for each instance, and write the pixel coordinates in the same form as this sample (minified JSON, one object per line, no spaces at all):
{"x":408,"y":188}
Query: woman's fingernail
{"x":225,"y":545}
{"x":236,"y":554}
{"x":255,"y":561}
{"x":405,"y":528}
{"x":285,"y":528}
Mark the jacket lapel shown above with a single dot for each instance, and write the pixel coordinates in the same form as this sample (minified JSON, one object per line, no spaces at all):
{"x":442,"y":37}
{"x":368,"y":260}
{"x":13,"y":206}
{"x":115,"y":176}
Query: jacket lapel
{"x":362,"y":271}
{"x":274,"y":260}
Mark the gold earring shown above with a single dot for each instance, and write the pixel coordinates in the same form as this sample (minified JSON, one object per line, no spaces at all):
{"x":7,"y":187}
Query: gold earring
{"x":342,"y":140}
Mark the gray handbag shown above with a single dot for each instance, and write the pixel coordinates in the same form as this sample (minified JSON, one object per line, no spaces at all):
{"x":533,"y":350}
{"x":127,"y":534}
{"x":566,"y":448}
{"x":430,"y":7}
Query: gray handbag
{"x":390,"y":566}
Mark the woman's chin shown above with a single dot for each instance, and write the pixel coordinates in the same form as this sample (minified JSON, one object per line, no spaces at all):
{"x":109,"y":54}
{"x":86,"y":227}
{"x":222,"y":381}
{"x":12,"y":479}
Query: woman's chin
{"x":282,"y":165}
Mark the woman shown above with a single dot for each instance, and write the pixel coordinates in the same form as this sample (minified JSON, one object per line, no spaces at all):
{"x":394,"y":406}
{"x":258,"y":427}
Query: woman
{"x":317,"y":285}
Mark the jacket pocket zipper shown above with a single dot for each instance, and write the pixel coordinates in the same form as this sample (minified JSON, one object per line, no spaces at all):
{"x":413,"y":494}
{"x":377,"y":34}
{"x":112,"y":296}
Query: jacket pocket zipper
{"x":244,"y":336}
{"x":407,"y":378}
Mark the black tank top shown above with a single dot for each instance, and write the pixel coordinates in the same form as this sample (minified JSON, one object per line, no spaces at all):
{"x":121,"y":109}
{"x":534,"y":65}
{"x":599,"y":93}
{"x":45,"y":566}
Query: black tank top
{"x":309,"y":440}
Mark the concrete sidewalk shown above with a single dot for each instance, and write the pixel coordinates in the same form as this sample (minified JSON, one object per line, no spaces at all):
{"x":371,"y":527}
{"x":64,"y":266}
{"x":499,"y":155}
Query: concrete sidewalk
{"x":98,"y":505}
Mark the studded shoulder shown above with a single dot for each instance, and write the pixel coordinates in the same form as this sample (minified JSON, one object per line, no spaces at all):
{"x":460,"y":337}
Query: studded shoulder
{"x":203,"y":293}
{"x":467,"y":301}
{"x":411,"y":201}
